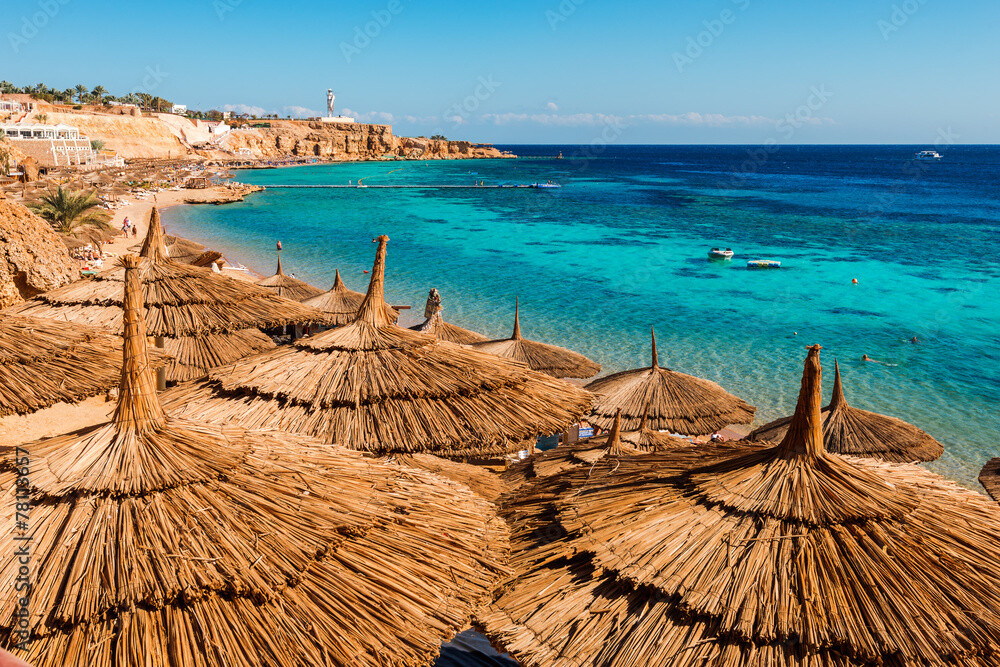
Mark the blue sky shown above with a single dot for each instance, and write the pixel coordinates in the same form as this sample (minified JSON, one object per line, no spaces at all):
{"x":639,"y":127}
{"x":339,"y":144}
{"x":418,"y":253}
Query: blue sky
{"x":545,"y":71}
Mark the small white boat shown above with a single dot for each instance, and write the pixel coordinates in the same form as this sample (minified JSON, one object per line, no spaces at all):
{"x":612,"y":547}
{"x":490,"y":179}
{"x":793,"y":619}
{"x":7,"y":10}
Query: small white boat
{"x":721,"y":253}
{"x":545,"y":186}
{"x":763,"y":264}
{"x":928,"y":155}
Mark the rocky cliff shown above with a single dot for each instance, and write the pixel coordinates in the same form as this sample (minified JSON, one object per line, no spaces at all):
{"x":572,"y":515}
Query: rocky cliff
{"x":33,"y":259}
{"x":346,"y":141}
{"x":168,"y":136}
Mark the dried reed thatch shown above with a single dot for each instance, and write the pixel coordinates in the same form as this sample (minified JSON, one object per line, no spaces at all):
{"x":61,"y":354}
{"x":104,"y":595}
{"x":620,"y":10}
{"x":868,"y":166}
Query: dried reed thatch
{"x":584,"y":453}
{"x":288,"y":287}
{"x":342,"y":304}
{"x":848,"y":430}
{"x":161,"y":541}
{"x":379,"y":388}
{"x":550,"y":359}
{"x":43,"y":362}
{"x":435,"y":325}
{"x":672,"y":401}
{"x":205,"y":318}
{"x":989,"y":477}
{"x":786,"y":555}
{"x":485,"y":483}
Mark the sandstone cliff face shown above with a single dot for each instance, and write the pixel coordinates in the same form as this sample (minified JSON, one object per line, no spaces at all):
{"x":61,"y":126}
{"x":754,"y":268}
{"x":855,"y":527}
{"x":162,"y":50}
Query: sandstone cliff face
{"x":33,"y":258}
{"x":167,"y":136}
{"x":130,"y":136}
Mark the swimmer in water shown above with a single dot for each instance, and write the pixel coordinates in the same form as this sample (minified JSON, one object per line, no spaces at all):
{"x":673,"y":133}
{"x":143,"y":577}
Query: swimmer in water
{"x":914,"y":340}
{"x":865,"y":357}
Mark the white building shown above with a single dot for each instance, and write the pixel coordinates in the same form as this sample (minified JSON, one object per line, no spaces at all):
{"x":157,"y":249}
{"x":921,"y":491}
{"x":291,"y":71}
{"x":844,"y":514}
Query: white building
{"x":51,"y":145}
{"x":179,"y":109}
{"x":25,"y":131}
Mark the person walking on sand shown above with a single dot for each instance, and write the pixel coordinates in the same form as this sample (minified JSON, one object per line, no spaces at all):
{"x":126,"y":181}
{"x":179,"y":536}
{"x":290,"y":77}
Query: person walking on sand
{"x":125,"y":227}
{"x":135,"y":231}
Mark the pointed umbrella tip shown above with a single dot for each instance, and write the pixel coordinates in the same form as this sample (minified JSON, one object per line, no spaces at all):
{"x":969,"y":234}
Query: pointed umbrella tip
{"x":516,"y":335}
{"x":838,"y":399}
{"x":373,"y":308}
{"x":805,"y":432}
{"x":652,"y":335}
{"x":154,"y":246}
{"x":138,"y":408}
{"x":614,"y":436}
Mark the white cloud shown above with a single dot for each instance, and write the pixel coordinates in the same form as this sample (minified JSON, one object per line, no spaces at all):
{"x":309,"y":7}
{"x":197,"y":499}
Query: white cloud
{"x":245,"y":108}
{"x":690,"y":119}
{"x":300,"y":112}
{"x":370,"y":116}
{"x":552,"y":106}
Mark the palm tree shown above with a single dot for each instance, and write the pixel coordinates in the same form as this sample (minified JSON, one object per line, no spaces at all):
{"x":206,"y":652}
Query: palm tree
{"x":68,"y":211}
{"x":99,"y":92}
{"x":81,"y":92}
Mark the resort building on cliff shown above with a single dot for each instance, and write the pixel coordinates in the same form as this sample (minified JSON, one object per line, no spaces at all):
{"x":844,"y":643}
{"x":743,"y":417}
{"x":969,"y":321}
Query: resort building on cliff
{"x":53,"y":145}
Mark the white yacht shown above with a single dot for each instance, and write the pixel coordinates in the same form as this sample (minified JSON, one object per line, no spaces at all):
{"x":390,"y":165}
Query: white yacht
{"x":928,"y":155}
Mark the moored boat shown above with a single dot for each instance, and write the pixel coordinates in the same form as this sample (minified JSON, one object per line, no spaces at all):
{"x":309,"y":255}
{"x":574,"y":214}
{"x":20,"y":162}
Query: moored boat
{"x":721,"y":253}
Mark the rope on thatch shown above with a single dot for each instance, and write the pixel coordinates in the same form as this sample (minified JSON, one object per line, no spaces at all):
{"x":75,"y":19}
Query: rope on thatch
{"x":670,"y":400}
{"x":214,"y":546}
{"x":43,"y":362}
{"x":849,"y":430}
{"x":372,"y":386}
{"x":550,"y":359}
{"x":783,"y":555}
{"x":989,"y":477}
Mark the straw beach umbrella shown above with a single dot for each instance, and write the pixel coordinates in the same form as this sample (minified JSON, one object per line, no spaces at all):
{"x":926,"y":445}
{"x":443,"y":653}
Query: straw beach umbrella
{"x":342,"y":304}
{"x":205,"y":319}
{"x":848,"y":430}
{"x":435,"y":325}
{"x":550,"y":359}
{"x":786,"y":555}
{"x":989,"y":477}
{"x":288,"y":287}
{"x":156,"y":540}
{"x":376,"y":387}
{"x":43,"y":362}
{"x":673,"y":401}
{"x":584,"y":453}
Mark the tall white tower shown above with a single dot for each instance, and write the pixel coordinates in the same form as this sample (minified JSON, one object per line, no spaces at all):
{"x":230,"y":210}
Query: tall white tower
{"x":329,"y":102}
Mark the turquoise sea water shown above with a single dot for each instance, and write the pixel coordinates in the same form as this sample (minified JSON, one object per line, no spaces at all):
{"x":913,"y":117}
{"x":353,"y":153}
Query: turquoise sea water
{"x":622,"y":246}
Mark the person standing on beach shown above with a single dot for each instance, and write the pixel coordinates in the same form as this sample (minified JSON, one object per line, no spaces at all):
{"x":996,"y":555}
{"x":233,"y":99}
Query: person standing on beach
{"x":125,"y":227}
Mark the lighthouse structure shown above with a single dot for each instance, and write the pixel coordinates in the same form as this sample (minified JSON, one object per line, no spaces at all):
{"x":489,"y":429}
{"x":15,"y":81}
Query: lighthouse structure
{"x":330,"y":117}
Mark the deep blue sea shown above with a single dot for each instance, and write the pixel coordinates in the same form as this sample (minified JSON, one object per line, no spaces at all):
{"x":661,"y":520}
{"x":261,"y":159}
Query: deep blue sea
{"x":623,"y":244}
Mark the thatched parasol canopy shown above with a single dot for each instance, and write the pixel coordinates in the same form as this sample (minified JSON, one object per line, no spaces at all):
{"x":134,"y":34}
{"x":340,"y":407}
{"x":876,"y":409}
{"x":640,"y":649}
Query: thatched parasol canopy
{"x":373,"y":386}
{"x":342,"y":304}
{"x":848,"y":430}
{"x":44,"y":362}
{"x":288,"y":287}
{"x":550,"y":359}
{"x":156,"y":540}
{"x":435,"y":325}
{"x":206,"y":319}
{"x":989,"y":477}
{"x":786,"y":555}
{"x":584,"y":453}
{"x":673,"y":401}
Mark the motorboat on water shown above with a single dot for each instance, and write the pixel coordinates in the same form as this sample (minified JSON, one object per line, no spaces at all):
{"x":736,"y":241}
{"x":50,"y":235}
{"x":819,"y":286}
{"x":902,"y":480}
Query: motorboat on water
{"x":721,"y":253}
{"x":546,"y":186}
{"x":763,"y":264}
{"x":928,"y":155}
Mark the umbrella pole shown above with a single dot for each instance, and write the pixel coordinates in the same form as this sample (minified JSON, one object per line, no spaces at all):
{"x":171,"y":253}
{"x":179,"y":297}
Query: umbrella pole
{"x":161,"y":373}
